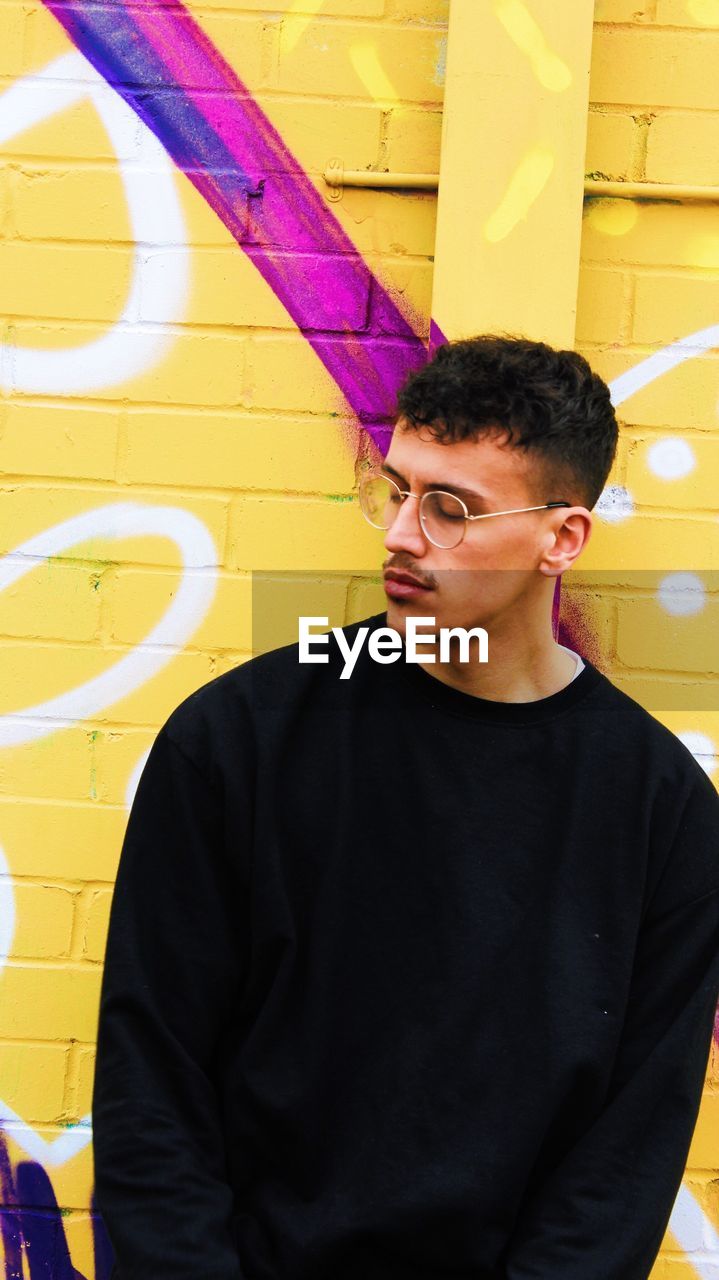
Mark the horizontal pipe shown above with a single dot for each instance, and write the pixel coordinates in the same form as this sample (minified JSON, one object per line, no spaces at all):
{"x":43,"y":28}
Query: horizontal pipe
{"x":371,"y":178}
{"x":649,"y":190}
{"x":337,"y":178}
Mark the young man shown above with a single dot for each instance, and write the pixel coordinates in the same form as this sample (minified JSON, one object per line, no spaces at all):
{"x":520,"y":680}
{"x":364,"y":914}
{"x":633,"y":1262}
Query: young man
{"x":414,"y":974}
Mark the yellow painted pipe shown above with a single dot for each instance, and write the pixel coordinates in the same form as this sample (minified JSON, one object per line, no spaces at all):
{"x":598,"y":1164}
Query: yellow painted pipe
{"x":649,"y":190}
{"x":335,"y":177}
{"x":597,"y":187}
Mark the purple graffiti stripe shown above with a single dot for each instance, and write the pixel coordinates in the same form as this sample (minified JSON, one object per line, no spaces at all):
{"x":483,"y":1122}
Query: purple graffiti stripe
{"x":165,"y":66}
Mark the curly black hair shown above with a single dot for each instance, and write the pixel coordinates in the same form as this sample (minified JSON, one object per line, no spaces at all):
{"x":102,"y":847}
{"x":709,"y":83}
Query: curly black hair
{"x":545,"y":400}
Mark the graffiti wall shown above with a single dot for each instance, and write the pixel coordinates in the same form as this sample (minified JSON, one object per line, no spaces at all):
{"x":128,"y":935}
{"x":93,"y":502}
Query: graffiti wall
{"x":201,"y":334}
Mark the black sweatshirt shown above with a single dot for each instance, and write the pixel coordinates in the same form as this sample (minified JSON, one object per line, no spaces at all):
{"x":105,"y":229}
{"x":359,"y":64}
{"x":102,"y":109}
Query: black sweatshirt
{"x":404,"y":984}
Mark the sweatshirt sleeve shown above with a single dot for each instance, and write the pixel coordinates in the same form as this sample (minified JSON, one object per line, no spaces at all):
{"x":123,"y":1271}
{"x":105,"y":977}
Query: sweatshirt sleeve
{"x":601,"y":1213}
{"x":171,"y":972}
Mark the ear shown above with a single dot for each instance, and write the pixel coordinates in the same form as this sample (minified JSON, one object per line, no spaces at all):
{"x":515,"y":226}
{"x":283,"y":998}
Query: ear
{"x":564,"y":540}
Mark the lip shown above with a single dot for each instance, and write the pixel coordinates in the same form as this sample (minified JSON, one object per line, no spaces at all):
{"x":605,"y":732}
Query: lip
{"x":401,"y":586}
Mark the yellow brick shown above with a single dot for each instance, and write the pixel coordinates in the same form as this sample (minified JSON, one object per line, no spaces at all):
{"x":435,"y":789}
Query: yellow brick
{"x":285,"y":373}
{"x":619,"y":468}
{"x":70,"y":763}
{"x":280,"y":599}
{"x":389,"y":221}
{"x":35,"y":673}
{"x":638,"y":66}
{"x":77,"y":203}
{"x":419,"y":10}
{"x":648,"y":542}
{"x":694,"y":491}
{"x":707,"y":724}
{"x":600,"y":305}
{"x":82,"y":1100}
{"x":93,"y":925}
{"x":44,"y":280}
{"x":152,"y":701}
{"x":54,"y":600}
{"x":62,"y":766}
{"x":138,"y":600}
{"x":43,"y":921}
{"x":366,"y":596}
{"x":69,"y":135}
{"x":6,"y":179}
{"x":58,"y":440}
{"x":271,"y":533}
{"x":687,"y":13}
{"x":44,"y":38}
{"x":411,"y":57}
{"x":303,"y":8}
{"x":33,"y":1080}
{"x":27,"y":511}
{"x":203,"y":226}
{"x":682,"y":399}
{"x":228,"y":660}
{"x":705,"y":1191}
{"x":50,"y":1002}
{"x":116,"y":756}
{"x":633,"y":11}
{"x":80,"y":1231}
{"x":703,"y":1149}
{"x":14,"y":18}
{"x":666,"y":696}
{"x":192,"y":368}
{"x":679,"y":235}
{"x":683,"y":148}
{"x":75,"y":841}
{"x":412,"y":140}
{"x":611,"y":139}
{"x":240,"y":452}
{"x":227,"y":289}
{"x":409,"y":283}
{"x":650,"y":638}
{"x":72,"y":1186}
{"x":244,"y":40}
{"x":667,"y":307}
{"x":315,"y":134}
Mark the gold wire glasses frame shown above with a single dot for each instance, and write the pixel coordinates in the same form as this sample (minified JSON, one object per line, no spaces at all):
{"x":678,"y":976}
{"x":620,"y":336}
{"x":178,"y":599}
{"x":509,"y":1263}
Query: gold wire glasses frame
{"x":437,"y":509}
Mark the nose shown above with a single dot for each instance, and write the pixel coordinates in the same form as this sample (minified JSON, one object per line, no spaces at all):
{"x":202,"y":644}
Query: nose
{"x":406,"y":533}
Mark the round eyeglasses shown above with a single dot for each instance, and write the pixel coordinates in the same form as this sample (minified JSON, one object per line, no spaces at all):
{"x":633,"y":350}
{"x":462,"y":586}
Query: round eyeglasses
{"x":443,"y":516}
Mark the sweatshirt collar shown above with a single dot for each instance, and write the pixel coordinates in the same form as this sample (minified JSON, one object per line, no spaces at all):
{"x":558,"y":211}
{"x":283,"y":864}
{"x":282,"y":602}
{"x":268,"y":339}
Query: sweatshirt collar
{"x":416,"y":682}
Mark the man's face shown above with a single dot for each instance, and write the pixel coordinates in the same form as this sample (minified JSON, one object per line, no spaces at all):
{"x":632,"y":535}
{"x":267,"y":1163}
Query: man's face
{"x":493,"y":571}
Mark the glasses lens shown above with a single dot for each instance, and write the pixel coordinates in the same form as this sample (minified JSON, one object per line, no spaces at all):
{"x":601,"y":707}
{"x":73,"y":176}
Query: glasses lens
{"x":443,"y":518}
{"x":380,"y":500}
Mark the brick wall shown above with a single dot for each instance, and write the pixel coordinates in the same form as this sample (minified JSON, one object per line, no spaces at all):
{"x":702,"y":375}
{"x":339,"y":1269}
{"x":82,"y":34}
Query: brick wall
{"x":161,"y":408}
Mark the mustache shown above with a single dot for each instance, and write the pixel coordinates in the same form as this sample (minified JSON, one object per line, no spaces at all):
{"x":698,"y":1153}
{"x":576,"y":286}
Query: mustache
{"x":394,"y":566}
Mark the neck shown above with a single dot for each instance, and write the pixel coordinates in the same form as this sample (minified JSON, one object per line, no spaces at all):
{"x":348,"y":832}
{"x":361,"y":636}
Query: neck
{"x":525,"y":662}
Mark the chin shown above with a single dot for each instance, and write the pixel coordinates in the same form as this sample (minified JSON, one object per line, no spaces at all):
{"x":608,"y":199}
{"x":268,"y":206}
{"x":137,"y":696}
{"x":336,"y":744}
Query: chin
{"x":396,"y":614}
{"x":398,"y":611}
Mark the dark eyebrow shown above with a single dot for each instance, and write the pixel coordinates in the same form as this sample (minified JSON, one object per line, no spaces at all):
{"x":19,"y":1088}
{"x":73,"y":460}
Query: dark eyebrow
{"x":471,"y":494}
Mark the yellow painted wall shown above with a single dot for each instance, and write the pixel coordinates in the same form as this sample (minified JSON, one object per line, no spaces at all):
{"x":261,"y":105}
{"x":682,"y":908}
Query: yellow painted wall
{"x":166,"y":429}
{"x":648,"y":281}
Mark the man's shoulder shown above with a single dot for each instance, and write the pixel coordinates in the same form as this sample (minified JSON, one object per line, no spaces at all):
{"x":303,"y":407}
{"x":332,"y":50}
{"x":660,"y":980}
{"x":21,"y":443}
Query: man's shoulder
{"x":228,"y":703}
{"x":634,"y":728}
